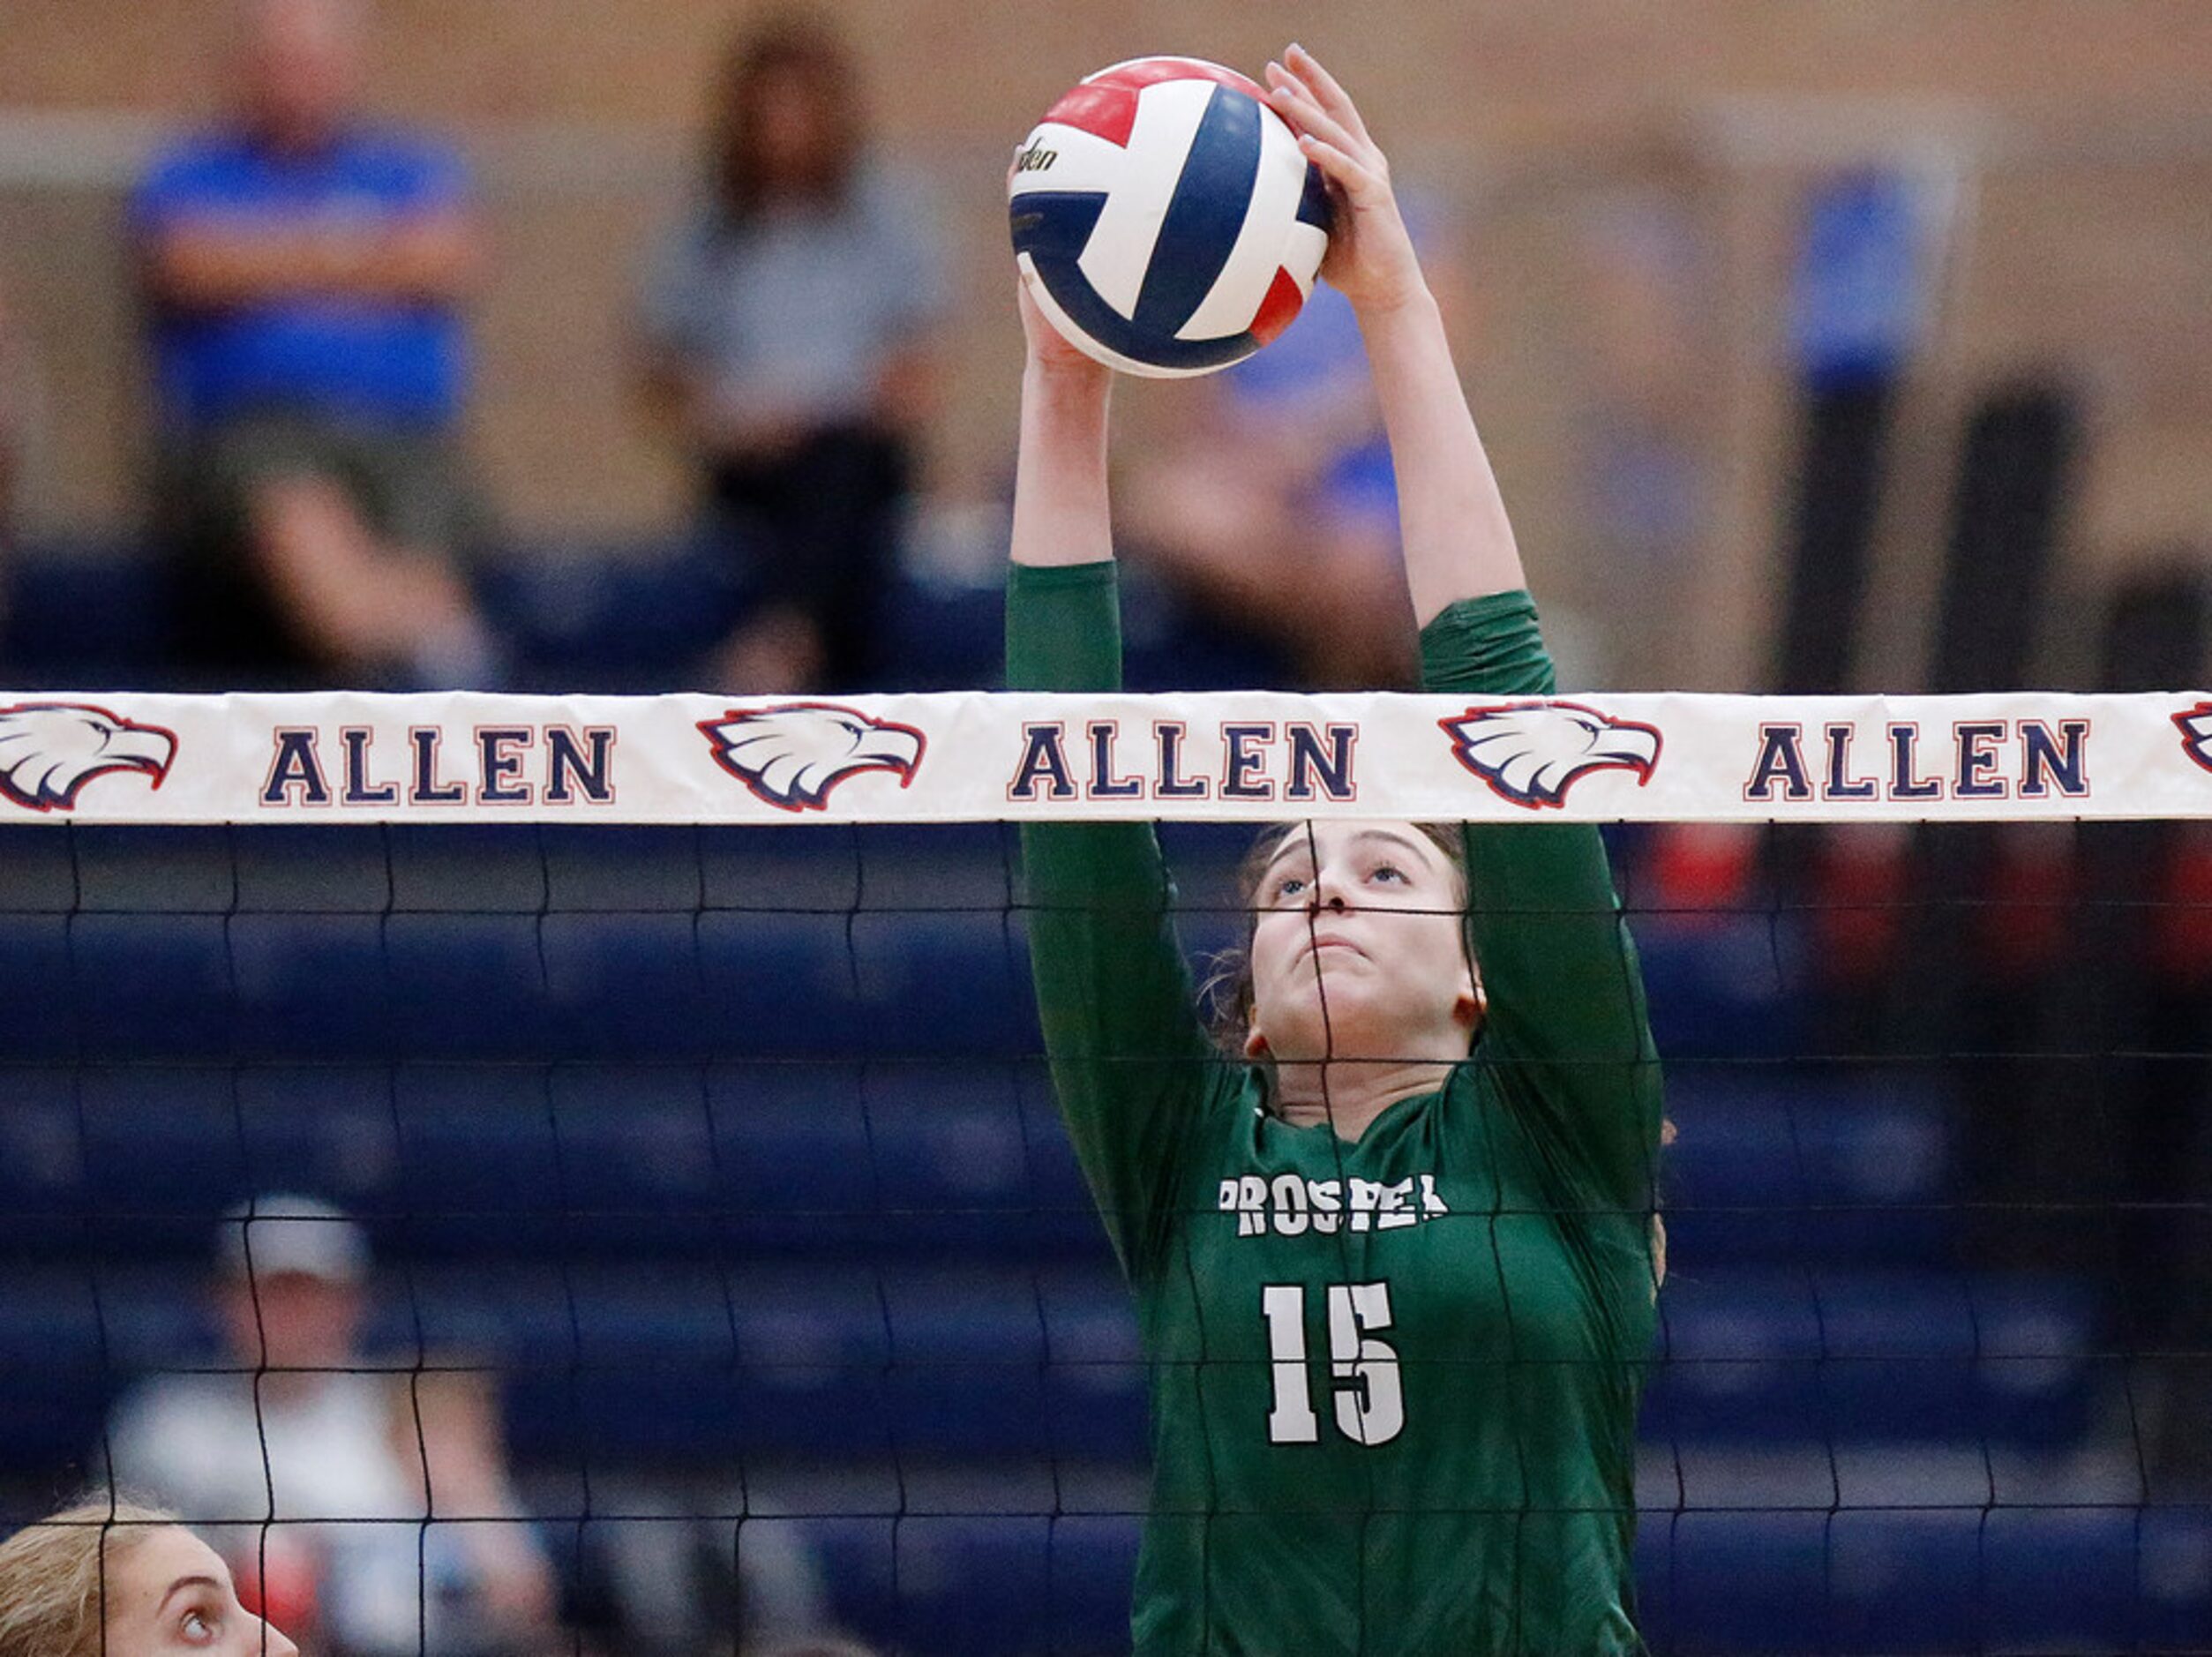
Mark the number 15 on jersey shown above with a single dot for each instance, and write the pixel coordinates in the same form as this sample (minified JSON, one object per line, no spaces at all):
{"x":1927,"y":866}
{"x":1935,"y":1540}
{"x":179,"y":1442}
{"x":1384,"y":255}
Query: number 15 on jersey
{"x":1370,"y":1403}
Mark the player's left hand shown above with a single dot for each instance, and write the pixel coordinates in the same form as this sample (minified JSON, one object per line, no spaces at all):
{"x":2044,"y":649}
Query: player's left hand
{"x":1048,"y":348}
{"x":1370,"y":257}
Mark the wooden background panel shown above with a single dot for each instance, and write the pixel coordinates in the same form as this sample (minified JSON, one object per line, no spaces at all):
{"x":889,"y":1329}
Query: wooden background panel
{"x":968,"y":67}
{"x":2081,"y":130}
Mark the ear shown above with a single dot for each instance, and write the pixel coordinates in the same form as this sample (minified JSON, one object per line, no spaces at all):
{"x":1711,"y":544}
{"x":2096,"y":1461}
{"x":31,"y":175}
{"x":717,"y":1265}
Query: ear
{"x":1254,"y":1045}
{"x":1470,"y":1004}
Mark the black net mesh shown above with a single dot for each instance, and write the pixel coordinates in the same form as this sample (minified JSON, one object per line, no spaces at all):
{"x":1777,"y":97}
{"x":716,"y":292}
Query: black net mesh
{"x":660,"y":1240}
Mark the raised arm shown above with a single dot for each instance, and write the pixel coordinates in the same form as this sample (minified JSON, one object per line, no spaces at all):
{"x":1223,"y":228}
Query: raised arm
{"x":1131,"y":1065}
{"x":1567,"y":1023}
{"x":1568,"y":1033}
{"x":1061,"y":514}
{"x":1457,"y":543}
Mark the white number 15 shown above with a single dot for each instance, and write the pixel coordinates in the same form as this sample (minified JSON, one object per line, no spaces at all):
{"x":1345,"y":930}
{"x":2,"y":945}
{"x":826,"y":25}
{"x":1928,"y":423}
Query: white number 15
{"x":1371,"y":1408}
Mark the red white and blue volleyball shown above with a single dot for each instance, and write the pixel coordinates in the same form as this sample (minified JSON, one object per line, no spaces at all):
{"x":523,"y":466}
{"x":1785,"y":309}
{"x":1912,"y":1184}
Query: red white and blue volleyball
{"x":1164,"y":218}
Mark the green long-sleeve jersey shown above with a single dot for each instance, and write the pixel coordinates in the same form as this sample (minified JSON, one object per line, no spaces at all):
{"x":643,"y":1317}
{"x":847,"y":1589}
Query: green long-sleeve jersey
{"x":1393,"y":1380}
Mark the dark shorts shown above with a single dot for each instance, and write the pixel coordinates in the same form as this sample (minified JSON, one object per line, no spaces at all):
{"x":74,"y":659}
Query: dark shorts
{"x":815,"y":532}
{"x":409,"y":482}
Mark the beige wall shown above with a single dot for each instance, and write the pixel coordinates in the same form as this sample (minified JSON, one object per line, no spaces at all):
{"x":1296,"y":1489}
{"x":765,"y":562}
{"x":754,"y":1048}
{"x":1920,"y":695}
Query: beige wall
{"x":965,"y":68}
{"x":2085,"y":128}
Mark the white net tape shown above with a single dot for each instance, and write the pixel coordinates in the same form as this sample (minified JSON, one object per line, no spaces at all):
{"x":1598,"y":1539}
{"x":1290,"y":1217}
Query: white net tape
{"x":978,"y":756}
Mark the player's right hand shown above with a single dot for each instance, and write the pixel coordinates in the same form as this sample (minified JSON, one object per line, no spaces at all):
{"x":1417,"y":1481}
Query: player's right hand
{"x":1370,"y":258}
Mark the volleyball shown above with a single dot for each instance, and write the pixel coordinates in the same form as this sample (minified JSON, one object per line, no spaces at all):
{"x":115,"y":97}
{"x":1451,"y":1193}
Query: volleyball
{"x":1164,"y":218}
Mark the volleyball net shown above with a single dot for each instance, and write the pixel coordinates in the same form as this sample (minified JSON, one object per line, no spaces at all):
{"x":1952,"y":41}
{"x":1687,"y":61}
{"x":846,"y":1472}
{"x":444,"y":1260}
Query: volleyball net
{"x":641,"y":1102}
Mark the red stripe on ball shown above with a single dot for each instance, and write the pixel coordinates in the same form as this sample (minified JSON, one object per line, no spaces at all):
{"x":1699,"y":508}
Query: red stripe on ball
{"x":1149,"y":72}
{"x":1279,"y":308}
{"x":1107,"y":112}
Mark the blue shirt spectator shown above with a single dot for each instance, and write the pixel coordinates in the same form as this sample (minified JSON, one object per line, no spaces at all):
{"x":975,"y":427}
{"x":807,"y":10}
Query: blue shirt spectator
{"x":304,"y":272}
{"x":391,"y":358}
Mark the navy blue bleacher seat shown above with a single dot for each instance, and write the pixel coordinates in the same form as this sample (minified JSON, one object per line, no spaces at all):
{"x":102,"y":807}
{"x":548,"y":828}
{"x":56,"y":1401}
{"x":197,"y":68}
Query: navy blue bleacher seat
{"x":85,"y":612}
{"x":602,"y":1159}
{"x":657,"y":1362}
{"x":1723,"y":984}
{"x":1801,"y":1163}
{"x":1852,"y":1354}
{"x":990,"y":1584}
{"x":1962,"y":1579}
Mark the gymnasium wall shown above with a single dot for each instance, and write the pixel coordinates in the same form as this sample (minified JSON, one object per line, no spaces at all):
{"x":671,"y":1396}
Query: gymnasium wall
{"x":1557,"y":132}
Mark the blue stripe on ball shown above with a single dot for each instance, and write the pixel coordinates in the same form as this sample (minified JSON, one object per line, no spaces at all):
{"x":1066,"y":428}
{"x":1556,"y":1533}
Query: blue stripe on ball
{"x":1055,"y":223}
{"x":1313,"y":201}
{"x":1072,"y":291}
{"x":1200,"y":228}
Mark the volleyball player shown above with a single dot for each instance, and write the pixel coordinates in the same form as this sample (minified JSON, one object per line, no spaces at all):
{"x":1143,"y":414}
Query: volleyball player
{"x":1395,"y":1287}
{"x":98,"y":1581}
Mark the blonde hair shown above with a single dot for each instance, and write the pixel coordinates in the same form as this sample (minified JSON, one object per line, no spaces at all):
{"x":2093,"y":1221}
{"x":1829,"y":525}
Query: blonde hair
{"x":53,"y":1576}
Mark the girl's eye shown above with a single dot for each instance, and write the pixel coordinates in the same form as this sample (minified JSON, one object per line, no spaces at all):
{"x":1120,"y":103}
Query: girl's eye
{"x":1290,"y":886}
{"x":197,"y":1627}
{"x":1389,"y":871}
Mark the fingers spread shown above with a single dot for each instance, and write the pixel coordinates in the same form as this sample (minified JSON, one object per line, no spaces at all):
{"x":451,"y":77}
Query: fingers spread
{"x":1296,"y":104}
{"x":1328,"y":93}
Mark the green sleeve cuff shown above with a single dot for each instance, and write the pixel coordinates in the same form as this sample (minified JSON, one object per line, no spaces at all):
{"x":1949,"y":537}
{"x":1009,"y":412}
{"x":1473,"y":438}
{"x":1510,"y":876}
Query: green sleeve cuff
{"x":1489,"y":646}
{"x":1063,"y":628}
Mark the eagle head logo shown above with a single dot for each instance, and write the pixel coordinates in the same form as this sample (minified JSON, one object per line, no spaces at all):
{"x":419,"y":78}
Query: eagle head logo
{"x":48,"y":751}
{"x":1531,"y":753}
{"x":2195,"y":726}
{"x":792,"y":755}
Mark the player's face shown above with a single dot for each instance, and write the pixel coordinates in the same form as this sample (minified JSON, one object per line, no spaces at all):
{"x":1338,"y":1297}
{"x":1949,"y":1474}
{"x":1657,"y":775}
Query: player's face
{"x":170,"y":1594}
{"x":1357,"y":948}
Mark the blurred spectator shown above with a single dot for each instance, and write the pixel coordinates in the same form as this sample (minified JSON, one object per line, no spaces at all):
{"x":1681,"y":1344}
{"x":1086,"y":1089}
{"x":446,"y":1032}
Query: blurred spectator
{"x":108,"y":1579}
{"x":1274,"y":488}
{"x":1645,"y":343}
{"x":656,"y":1578}
{"x":786,"y":323}
{"x":304,"y":272}
{"x":300,"y":1429}
{"x":14,"y":395}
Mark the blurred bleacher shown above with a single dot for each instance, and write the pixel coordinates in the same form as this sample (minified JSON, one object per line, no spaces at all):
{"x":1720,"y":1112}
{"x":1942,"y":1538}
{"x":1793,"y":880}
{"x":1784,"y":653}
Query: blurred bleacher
{"x":93,"y":614}
{"x":732,"y":1150}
